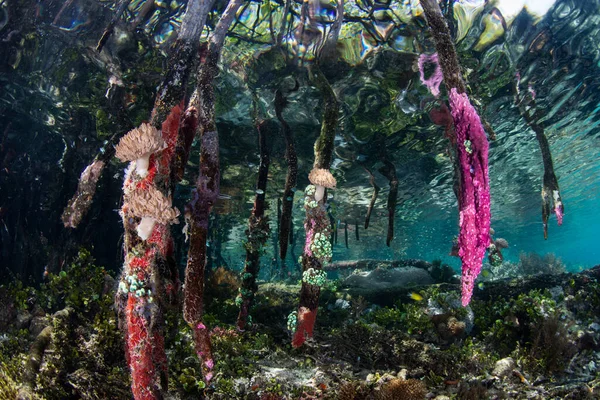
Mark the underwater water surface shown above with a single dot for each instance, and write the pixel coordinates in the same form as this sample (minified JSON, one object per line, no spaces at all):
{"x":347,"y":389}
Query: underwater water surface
{"x":230,"y":91}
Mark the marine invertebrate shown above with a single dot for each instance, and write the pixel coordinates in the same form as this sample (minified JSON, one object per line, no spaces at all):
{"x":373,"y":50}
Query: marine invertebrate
{"x":435,"y":78}
{"x":151,"y":206}
{"x":305,"y":324}
{"x":321,"y":178}
{"x":138,"y":145}
{"x":471,"y":149}
{"x":409,"y":389}
{"x":314,"y":277}
{"x":474,"y":192}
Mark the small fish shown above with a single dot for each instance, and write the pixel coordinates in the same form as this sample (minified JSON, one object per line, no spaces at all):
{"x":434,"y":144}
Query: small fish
{"x":481,"y":285}
{"x":260,"y":191}
{"x":223,"y":196}
{"x":415,"y":296}
{"x":486,"y":273}
{"x":521,"y":377}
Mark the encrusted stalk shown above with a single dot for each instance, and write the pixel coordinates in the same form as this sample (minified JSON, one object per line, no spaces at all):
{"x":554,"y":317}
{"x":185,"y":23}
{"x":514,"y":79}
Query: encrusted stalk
{"x":206,"y":191}
{"x":149,"y":278}
{"x":317,"y":248}
{"x":285,"y":223}
{"x":171,"y":92}
{"x":83,"y":197}
{"x":119,"y":10}
{"x":181,"y":64}
{"x":389,"y":171}
{"x":471,"y":162}
{"x":551,"y":198}
{"x":317,"y":251}
{"x":257,"y":232}
{"x":324,"y":143}
{"x":444,"y":44}
{"x":376,"y":189}
{"x":346,"y":233}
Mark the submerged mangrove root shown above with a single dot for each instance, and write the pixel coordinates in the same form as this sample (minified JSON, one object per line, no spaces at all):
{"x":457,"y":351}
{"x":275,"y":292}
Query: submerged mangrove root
{"x":36,"y":355}
{"x":120,"y":9}
{"x":471,"y":156}
{"x":206,"y":191}
{"x":149,"y":278}
{"x":444,"y":46}
{"x":83,"y":197}
{"x":80,"y":203}
{"x":257,"y":233}
{"x":346,"y":233}
{"x":187,"y":131}
{"x":389,"y":171}
{"x":551,"y":199}
{"x":317,"y":251}
{"x":275,"y":238}
{"x":376,"y":189}
{"x":285,"y":223}
{"x":324,"y":143}
{"x":317,"y":248}
{"x":170,"y":94}
{"x":34,"y":361}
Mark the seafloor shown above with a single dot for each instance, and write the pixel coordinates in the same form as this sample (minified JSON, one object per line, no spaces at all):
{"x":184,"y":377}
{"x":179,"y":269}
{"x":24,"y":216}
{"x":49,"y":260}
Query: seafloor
{"x":533,"y":337}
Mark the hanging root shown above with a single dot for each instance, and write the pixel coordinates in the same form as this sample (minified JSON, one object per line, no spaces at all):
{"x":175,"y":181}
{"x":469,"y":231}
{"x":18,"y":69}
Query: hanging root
{"x":376,"y":189}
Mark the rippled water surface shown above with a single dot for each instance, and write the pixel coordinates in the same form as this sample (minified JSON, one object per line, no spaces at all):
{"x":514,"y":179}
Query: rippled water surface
{"x":58,"y":104}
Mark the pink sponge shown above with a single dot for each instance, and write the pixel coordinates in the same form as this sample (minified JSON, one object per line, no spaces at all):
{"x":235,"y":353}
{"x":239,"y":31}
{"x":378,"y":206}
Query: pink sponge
{"x":474,"y":197}
{"x":435,"y":79}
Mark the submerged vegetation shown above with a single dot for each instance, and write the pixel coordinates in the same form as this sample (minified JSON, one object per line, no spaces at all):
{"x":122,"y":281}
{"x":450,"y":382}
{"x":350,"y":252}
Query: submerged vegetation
{"x":508,"y":345}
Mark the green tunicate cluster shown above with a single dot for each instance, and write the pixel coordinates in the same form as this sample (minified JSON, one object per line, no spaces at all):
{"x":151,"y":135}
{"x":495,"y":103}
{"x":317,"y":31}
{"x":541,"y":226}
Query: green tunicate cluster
{"x":309,"y":202}
{"x":239,"y":300}
{"x":246,"y":276}
{"x":310,"y":190}
{"x":245,"y":293}
{"x":315,"y":277}
{"x":321,"y":247}
{"x":468,"y":147}
{"x":496,"y":260}
{"x":292,"y":321}
{"x":133,"y":285}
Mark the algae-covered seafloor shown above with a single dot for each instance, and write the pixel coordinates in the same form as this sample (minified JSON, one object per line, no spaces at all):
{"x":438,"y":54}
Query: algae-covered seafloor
{"x":299,"y":199}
